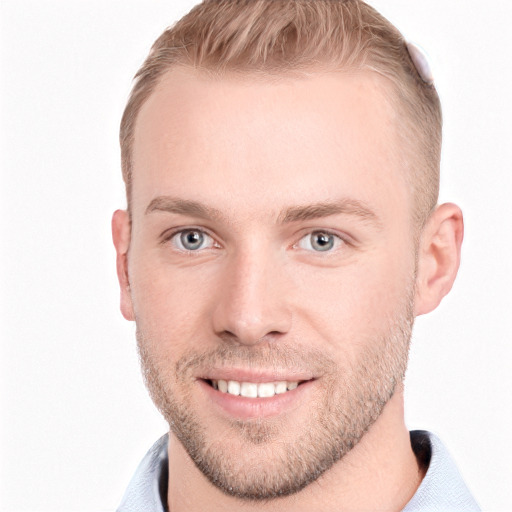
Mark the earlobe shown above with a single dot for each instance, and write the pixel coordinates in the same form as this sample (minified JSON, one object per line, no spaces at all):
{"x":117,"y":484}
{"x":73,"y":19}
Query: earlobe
{"x":121,"y":230}
{"x":438,"y":257}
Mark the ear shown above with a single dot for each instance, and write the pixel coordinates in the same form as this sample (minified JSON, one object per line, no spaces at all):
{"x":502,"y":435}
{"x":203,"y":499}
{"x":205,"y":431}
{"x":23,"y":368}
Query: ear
{"x":438,"y":257}
{"x":121,"y":230}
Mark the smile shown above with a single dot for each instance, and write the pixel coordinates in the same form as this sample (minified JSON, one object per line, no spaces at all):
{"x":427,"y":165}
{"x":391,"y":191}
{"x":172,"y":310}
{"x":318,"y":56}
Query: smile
{"x":253,"y":389}
{"x":255,"y":395}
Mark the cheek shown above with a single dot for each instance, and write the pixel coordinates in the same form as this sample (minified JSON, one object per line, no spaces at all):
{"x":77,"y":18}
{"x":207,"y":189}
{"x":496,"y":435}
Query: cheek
{"x":171,"y":305}
{"x":352,"y":305}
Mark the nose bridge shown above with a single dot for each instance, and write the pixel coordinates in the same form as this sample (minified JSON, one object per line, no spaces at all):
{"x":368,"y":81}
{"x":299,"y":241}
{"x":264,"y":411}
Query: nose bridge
{"x":252,"y":303}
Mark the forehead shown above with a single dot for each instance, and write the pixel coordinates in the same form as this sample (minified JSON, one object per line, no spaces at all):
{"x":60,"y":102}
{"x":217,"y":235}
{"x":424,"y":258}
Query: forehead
{"x":283,"y":138}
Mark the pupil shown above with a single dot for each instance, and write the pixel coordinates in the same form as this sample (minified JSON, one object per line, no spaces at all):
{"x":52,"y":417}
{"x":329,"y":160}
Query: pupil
{"x":192,"y":239}
{"x":323,"y":241}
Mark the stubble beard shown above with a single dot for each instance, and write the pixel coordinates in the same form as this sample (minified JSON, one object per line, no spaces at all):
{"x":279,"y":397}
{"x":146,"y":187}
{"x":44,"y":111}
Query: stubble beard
{"x":256,"y":460}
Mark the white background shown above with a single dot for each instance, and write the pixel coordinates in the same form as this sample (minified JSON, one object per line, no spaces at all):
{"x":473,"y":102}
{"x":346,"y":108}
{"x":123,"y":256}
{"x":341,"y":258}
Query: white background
{"x":75,"y":418}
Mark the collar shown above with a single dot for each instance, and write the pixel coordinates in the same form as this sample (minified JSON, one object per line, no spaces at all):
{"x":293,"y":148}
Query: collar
{"x":442,"y":489}
{"x":147,"y":491}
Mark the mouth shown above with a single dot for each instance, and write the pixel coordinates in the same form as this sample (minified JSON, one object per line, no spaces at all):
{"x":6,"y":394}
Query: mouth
{"x":253,"y":389}
{"x":252,"y":393}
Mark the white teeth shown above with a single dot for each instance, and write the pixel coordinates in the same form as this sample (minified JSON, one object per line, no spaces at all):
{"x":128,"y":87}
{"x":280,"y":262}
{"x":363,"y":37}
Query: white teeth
{"x":280,"y":388}
{"x":253,"y":390}
{"x":267,"y":389}
{"x":233,"y":387}
{"x":249,"y":390}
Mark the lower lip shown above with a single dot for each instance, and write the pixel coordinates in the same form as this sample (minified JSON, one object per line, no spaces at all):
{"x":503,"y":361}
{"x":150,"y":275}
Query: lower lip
{"x":242,"y":407}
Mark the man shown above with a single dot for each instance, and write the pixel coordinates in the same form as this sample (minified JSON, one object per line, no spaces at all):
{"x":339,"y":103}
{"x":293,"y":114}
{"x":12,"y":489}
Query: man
{"x":281,"y":161}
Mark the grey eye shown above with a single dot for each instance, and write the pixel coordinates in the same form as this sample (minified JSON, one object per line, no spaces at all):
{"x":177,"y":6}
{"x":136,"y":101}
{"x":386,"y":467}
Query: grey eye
{"x":322,"y":241}
{"x":192,"y":240}
{"x":319,"y":241}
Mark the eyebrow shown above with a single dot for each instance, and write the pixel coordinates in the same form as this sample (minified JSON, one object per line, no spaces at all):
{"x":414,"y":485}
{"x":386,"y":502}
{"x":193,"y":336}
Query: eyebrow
{"x":344,"y":206}
{"x":183,"y":207}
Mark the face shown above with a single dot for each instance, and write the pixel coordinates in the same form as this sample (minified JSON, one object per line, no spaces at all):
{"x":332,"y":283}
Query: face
{"x":271,"y":269}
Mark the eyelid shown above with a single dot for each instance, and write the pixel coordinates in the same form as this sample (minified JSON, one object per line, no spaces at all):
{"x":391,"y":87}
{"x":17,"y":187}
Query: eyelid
{"x":169,"y":234}
{"x":343,"y":238}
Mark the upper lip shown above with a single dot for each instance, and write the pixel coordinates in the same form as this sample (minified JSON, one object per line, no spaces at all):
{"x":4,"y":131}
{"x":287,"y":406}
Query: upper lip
{"x":256,"y":376}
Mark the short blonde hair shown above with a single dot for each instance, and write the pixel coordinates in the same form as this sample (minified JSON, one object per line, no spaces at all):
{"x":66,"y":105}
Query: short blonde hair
{"x":273,"y":36}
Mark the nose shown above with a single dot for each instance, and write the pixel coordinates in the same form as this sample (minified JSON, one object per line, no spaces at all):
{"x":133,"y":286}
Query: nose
{"x":252,"y":302}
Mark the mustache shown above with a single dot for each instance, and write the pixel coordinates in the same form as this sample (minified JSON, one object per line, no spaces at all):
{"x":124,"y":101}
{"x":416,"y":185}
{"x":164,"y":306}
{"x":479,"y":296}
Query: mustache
{"x":267,"y":356}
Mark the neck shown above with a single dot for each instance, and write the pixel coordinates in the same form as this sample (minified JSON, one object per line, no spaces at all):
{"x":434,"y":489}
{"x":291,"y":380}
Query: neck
{"x":379,"y":473}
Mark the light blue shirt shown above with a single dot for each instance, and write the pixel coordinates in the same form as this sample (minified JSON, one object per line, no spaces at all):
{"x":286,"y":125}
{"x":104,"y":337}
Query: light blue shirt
{"x":442,"y":488}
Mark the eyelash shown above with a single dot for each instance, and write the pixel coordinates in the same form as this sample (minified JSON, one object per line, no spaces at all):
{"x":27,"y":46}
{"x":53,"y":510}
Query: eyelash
{"x":170,"y":236}
{"x":191,"y":229}
{"x":340,"y":240}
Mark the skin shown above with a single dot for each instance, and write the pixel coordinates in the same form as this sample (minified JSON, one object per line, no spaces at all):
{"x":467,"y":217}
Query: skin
{"x":252,"y":153}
